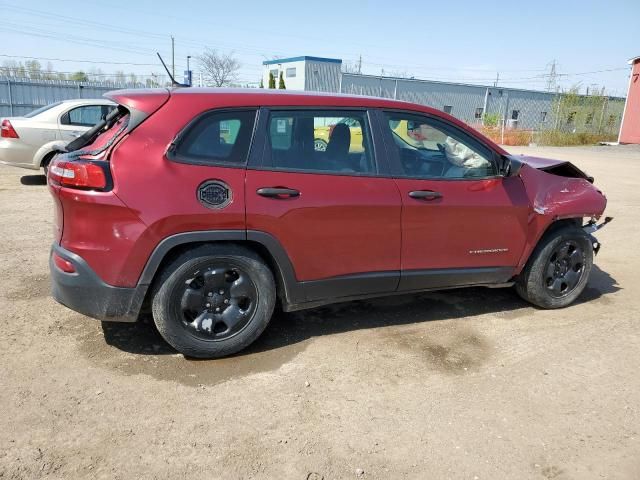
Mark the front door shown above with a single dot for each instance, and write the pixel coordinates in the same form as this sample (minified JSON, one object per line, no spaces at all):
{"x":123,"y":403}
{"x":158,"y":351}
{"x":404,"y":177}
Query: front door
{"x":336,"y":217}
{"x":462,"y":223}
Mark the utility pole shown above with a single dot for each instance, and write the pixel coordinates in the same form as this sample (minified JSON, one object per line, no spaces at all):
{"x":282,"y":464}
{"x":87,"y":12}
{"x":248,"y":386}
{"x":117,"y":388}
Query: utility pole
{"x":173,"y":57}
{"x":359,"y":64}
{"x":189,"y":71}
{"x":495,"y":84}
{"x":551,"y":82}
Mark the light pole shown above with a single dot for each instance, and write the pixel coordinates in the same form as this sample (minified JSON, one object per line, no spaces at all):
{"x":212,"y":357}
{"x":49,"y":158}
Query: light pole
{"x":188,"y":70}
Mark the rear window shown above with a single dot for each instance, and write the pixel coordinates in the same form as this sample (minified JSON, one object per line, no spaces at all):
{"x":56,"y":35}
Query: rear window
{"x":40,"y":110}
{"x":216,"y":137}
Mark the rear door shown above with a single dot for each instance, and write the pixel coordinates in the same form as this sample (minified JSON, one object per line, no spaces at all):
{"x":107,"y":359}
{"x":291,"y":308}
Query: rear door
{"x":333,"y":212}
{"x":462,"y":222}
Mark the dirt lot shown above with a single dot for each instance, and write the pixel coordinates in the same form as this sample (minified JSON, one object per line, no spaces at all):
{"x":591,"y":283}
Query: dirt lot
{"x":470,"y":384}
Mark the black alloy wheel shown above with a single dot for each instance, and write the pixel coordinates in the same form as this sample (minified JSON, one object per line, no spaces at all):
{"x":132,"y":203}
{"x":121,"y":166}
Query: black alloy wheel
{"x":213,"y":300}
{"x":565,"y":268}
{"x":218,"y":302}
{"x":558,"y":269}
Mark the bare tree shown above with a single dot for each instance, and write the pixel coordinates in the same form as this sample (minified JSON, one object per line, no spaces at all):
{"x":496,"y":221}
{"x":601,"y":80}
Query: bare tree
{"x":120,"y":76}
{"x":49,"y":74}
{"x":219,"y":69}
{"x":34,"y":69}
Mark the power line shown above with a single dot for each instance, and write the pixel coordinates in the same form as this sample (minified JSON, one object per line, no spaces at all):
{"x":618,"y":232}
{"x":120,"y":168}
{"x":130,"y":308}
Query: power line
{"x":28,"y":29}
{"x":240,"y":46}
{"x":105,"y":62}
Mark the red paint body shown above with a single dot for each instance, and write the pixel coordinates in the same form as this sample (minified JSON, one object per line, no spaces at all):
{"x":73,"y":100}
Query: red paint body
{"x":339,"y":225}
{"x":630,"y":128}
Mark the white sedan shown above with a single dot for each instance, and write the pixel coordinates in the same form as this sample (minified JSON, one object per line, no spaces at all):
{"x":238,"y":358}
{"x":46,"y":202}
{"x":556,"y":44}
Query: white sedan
{"x":31,"y":141}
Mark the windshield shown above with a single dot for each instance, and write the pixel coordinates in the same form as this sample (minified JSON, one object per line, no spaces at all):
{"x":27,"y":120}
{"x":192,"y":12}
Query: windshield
{"x":40,"y":110}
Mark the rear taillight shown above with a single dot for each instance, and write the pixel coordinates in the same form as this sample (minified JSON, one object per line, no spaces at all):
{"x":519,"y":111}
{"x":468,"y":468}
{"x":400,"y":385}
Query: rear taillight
{"x":7,"y":130}
{"x":78,"y":174}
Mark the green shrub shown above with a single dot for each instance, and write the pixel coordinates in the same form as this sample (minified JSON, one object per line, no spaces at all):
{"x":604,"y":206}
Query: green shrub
{"x":491,"y":119}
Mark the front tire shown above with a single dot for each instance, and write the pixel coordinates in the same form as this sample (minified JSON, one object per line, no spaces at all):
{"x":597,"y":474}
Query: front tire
{"x":558,"y":269}
{"x":214,"y":300}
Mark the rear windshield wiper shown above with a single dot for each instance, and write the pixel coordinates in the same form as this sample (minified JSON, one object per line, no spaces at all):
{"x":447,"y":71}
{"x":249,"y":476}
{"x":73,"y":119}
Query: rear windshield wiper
{"x":90,"y":135}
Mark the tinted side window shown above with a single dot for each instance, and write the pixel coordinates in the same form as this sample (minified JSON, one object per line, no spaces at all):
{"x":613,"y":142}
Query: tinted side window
{"x":428,"y":148}
{"x":217,"y":137}
{"x":86,"y":116}
{"x":320,"y":141}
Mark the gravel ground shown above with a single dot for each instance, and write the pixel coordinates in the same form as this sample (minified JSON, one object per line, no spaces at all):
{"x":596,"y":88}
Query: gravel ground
{"x":464,"y":384}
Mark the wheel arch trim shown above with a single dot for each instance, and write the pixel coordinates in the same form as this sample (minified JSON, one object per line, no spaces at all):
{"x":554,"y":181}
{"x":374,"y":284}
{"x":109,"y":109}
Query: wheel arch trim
{"x":554,"y":224}
{"x":292,"y":290}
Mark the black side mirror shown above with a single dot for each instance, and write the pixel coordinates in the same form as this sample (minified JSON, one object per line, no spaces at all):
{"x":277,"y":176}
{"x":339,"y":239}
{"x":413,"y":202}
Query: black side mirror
{"x":509,"y":166}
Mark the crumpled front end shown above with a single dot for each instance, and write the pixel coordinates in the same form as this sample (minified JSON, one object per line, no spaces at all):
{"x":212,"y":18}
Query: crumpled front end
{"x":558,"y":191}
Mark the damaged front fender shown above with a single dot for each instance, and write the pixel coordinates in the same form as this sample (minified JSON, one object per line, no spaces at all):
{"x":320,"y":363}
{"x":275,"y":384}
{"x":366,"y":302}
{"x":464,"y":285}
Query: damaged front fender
{"x":554,"y":197}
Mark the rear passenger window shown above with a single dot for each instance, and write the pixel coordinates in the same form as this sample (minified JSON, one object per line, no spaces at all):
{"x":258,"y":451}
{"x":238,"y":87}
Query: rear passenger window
{"x":217,"y":137}
{"x":319,"y":141}
{"x":86,"y":116}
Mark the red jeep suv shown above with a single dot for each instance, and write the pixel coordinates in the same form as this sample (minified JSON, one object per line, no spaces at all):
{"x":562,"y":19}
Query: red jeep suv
{"x":209,"y":206}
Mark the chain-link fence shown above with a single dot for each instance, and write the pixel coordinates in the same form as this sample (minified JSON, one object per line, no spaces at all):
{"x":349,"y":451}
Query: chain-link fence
{"x":19,"y":96}
{"x":507,"y":115}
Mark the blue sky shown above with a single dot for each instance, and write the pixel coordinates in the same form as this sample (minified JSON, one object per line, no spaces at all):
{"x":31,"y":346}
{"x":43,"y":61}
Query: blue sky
{"x":466,"y":41}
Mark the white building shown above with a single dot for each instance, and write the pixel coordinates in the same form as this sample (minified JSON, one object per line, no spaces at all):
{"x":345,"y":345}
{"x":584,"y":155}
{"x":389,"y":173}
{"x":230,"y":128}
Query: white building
{"x":304,"y":73}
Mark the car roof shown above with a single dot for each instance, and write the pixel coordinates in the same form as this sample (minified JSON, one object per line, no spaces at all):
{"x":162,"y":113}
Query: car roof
{"x":273,"y":97}
{"x":87,"y":101}
{"x":149,"y":99}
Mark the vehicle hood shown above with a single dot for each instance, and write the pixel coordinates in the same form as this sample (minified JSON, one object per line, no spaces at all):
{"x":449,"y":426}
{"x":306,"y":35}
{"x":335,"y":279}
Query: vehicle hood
{"x":561,"y":168}
{"x":538,"y":162}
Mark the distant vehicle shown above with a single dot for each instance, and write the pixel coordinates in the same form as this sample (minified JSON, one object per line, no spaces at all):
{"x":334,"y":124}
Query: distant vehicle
{"x":32,"y":140}
{"x":322,"y":135}
{"x":205,"y":207}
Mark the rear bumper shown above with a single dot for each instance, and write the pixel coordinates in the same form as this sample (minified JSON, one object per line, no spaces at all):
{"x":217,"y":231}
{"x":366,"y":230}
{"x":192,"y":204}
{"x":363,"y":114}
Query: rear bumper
{"x":84,"y":292}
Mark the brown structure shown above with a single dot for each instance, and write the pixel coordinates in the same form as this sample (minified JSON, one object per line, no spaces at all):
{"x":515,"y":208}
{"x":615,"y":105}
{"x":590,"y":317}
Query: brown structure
{"x":630,"y":128}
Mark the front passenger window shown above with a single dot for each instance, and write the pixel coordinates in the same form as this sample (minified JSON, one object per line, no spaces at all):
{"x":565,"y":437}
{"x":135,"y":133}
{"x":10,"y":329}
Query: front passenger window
{"x":429,"y":148}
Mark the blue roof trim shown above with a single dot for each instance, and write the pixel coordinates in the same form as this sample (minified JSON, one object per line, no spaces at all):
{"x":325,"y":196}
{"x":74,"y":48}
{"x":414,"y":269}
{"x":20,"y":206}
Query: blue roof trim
{"x":300,"y":59}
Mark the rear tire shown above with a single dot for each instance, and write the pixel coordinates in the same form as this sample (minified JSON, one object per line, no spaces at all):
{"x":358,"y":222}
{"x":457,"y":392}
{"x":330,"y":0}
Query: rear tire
{"x":558,"y":270}
{"x":214,"y":300}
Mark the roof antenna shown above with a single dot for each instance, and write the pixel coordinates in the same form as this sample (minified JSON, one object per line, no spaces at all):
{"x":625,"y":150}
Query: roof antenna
{"x":173,"y":80}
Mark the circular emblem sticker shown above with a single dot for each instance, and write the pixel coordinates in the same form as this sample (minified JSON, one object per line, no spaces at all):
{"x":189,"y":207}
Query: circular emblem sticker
{"x":214,"y":194}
